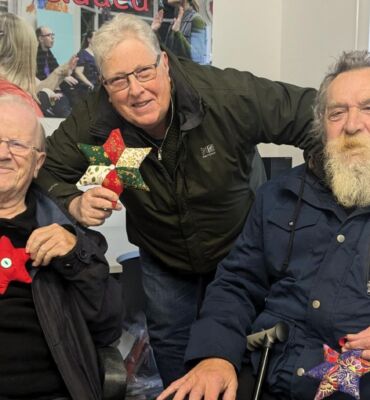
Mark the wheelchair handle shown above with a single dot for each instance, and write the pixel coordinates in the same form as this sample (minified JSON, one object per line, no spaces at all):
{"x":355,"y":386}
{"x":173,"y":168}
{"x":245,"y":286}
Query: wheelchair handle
{"x":267,"y":337}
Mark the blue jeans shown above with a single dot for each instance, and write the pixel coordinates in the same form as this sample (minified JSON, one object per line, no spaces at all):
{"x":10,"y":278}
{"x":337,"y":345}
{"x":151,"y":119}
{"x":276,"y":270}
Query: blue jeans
{"x":172,"y":300}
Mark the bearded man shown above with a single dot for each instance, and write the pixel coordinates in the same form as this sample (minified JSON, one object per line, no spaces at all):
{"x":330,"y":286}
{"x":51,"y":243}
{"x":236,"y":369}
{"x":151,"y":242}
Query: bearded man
{"x":302,"y":258}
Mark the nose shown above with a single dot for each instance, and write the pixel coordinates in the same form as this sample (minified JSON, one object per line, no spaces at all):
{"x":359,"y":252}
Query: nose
{"x":4,"y":150}
{"x":135,"y":86}
{"x":354,"y":122}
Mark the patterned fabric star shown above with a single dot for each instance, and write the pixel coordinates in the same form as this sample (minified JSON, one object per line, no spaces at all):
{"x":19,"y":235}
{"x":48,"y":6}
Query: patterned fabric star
{"x":12,"y":264}
{"x":113,"y":165}
{"x":340,"y":372}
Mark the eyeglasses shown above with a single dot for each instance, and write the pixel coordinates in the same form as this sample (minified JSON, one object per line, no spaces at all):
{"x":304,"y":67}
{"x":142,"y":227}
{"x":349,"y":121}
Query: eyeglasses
{"x":48,"y":35}
{"x":17,"y":147}
{"x":142,"y":74}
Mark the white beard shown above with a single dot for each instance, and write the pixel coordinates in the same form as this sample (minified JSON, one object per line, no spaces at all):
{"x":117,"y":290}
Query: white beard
{"x":347,"y":168}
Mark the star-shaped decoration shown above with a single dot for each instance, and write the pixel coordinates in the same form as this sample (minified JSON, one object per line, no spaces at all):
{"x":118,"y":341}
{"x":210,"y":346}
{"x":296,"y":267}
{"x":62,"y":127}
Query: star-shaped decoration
{"x":12,"y":264}
{"x":113,"y":165}
{"x":340,"y":372}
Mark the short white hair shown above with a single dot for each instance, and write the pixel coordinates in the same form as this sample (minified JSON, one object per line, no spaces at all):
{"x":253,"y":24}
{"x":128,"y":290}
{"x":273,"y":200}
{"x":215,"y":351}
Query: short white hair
{"x":39,"y":131}
{"x":119,"y":29}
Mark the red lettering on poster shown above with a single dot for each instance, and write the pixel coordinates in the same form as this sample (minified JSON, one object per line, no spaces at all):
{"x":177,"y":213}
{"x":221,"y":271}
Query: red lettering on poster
{"x":82,"y":2}
{"x":121,"y":5}
{"x":144,"y":7}
{"x":104,"y":3}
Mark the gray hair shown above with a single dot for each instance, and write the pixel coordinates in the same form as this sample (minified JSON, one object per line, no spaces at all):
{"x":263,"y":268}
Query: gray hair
{"x":117,"y":30}
{"x":39,"y":131}
{"x":348,"y":61}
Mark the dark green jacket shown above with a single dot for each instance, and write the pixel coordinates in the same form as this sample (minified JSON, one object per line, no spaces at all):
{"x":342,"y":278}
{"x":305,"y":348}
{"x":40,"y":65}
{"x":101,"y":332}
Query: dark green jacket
{"x":189,"y":222}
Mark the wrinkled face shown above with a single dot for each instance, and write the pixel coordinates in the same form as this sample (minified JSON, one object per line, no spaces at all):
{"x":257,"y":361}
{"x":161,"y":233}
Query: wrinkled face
{"x":46,"y":39}
{"x":348,"y":105}
{"x":17,"y":171}
{"x":144,"y":104}
{"x":347,"y":127}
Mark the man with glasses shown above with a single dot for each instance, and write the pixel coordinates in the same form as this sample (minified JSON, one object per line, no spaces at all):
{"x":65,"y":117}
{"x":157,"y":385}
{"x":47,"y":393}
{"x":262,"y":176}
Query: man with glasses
{"x":203,"y":125}
{"x":57,"y":300}
{"x":47,"y":64}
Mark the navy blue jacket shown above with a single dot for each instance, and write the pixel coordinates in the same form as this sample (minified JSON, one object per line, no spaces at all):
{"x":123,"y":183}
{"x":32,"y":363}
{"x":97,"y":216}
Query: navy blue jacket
{"x":322,"y":295}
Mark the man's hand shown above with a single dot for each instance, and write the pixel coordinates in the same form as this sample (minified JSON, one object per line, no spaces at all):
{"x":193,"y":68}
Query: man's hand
{"x":360,"y":340}
{"x":48,"y":242}
{"x":177,"y":21}
{"x":94,"y":206}
{"x":157,"y":20}
{"x":207,"y":380}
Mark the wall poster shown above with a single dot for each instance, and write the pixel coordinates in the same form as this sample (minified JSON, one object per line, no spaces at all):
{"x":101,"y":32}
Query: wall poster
{"x":183,"y":26}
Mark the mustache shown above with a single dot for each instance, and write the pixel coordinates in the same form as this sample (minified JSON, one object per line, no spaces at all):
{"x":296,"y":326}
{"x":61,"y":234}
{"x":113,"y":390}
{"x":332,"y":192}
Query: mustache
{"x":346,"y":143}
{"x":353,"y":144}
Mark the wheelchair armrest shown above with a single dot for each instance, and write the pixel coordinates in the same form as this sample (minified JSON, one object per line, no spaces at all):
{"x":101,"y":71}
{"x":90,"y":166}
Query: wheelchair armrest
{"x":114,"y":373}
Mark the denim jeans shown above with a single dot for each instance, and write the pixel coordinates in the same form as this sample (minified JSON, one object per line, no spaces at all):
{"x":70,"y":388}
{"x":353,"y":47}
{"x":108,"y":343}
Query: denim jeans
{"x":172,"y":301}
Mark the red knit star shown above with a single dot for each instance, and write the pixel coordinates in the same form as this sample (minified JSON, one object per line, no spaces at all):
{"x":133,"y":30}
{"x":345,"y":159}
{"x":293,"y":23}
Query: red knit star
{"x":12,"y":264}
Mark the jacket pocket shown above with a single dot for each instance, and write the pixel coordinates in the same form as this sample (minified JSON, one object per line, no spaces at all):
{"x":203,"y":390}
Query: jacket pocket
{"x":280,"y":229}
{"x":282,"y":218}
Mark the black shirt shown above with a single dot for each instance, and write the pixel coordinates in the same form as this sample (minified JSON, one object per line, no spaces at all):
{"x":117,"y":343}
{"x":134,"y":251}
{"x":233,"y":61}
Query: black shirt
{"x":27,"y":369}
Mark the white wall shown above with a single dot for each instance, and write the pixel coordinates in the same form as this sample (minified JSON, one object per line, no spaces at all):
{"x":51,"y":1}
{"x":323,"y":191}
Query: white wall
{"x":246,"y":35}
{"x":289,"y":40}
{"x":314,"y":33}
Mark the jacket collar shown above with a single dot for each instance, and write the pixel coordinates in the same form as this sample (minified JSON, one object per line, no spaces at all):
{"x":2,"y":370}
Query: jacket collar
{"x":189,"y":105}
{"x":318,"y":194}
{"x":48,"y":211}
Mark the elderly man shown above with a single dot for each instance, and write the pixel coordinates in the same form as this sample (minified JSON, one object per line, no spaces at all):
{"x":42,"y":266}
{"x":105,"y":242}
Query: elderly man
{"x":202,"y":124}
{"x":302,"y":258}
{"x":57,"y":301}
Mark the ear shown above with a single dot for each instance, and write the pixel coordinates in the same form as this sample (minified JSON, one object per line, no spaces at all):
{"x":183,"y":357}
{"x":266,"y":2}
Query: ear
{"x":165,"y":61}
{"x":40,"y":158}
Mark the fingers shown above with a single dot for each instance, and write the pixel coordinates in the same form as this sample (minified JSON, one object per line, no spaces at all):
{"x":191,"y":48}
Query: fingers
{"x":230,"y":392}
{"x":94,"y":206}
{"x":180,"y":387}
{"x":360,"y":340}
{"x":49,"y":242}
{"x":207,"y":381}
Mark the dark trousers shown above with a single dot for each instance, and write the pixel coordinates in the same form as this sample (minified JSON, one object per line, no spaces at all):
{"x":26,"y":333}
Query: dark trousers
{"x":172,"y":303}
{"x":246,"y":383}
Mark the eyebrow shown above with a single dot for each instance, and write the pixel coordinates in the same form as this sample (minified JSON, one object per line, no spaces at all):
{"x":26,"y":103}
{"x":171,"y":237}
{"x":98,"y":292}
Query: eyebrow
{"x":344,"y":105}
{"x":121,"y":73}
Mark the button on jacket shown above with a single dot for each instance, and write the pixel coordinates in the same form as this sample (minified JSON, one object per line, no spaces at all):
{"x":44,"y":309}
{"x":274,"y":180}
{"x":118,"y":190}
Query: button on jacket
{"x":322,"y":293}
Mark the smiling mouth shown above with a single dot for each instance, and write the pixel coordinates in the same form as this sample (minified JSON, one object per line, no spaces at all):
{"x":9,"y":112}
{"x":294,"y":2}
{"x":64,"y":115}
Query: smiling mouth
{"x":5,"y":169}
{"x":141,"y":104}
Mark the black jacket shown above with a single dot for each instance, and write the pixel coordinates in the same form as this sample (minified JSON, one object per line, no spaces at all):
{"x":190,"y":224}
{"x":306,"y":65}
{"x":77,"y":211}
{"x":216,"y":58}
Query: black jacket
{"x":189,"y":221}
{"x":77,"y":302}
{"x":42,"y":58}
